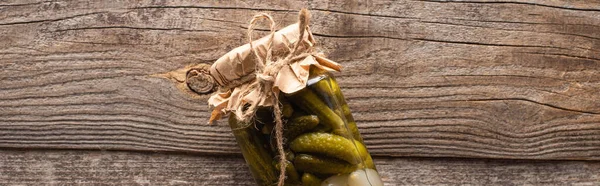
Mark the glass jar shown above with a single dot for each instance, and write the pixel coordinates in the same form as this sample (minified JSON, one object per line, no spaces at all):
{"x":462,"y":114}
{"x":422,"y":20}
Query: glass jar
{"x":322,"y":143}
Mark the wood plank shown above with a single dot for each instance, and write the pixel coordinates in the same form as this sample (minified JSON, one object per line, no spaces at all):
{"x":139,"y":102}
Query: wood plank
{"x":487,"y":79}
{"x":134,"y":168}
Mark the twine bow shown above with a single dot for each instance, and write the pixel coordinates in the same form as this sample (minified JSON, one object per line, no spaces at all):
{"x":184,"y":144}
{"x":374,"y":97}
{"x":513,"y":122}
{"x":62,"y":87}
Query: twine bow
{"x":266,"y":71}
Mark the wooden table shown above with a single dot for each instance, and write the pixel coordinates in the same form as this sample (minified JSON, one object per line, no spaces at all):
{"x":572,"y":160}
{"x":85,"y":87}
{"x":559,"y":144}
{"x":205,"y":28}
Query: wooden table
{"x":479,"y":92}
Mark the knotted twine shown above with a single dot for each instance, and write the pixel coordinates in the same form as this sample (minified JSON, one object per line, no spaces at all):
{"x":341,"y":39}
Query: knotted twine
{"x":266,"y":70}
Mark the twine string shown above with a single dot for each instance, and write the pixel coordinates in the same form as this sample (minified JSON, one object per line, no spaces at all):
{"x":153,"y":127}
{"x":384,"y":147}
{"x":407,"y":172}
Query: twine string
{"x":265,"y":72}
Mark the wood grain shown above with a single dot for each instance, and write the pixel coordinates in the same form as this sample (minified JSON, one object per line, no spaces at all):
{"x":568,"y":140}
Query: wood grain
{"x":486,"y":79}
{"x":133,"y":168}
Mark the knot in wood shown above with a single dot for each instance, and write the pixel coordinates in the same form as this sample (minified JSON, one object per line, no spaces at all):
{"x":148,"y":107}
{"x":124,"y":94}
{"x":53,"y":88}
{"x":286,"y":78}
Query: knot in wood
{"x":200,"y":81}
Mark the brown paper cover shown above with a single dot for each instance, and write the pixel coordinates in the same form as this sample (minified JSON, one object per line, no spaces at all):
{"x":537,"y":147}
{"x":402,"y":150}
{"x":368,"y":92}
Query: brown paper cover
{"x":240,"y":62}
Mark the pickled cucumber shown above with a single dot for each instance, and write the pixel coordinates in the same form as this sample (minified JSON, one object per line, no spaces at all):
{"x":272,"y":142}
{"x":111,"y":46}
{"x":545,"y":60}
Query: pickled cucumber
{"x":310,"y":180}
{"x":328,"y":90}
{"x":295,"y":127}
{"x":298,"y":125}
{"x":291,"y":173}
{"x":369,"y":163}
{"x":337,"y":92}
{"x":252,"y":147}
{"x":330,"y":145}
{"x":289,"y":155}
{"x":323,"y":89}
{"x":286,"y":108}
{"x":310,"y":102}
{"x":345,"y":109}
{"x":322,"y":165}
{"x":354,"y":130}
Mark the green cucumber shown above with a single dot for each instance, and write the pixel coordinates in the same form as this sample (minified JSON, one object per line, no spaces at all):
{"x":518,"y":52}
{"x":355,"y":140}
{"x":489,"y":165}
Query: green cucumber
{"x":322,"y":165}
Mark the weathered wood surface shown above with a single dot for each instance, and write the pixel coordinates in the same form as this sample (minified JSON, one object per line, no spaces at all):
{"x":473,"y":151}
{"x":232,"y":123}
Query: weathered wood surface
{"x":486,"y":79}
{"x":132,"y":168}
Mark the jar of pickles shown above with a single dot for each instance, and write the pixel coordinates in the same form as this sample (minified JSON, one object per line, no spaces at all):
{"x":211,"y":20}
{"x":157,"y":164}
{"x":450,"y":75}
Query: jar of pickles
{"x":321,"y":142}
{"x":323,"y":145}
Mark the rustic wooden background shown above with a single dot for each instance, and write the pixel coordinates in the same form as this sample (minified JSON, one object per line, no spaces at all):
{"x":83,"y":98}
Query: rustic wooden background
{"x":481,"y":92}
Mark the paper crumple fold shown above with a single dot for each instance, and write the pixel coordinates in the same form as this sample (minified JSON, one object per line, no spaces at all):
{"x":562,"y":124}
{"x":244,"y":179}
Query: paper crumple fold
{"x":240,"y":62}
